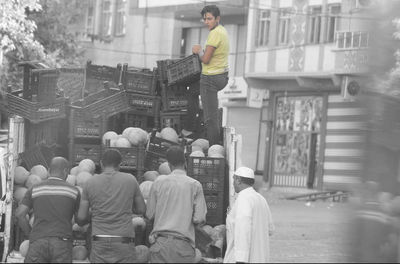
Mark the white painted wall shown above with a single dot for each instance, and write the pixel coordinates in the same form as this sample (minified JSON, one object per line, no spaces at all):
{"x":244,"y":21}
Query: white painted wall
{"x":261,"y":61}
{"x":285,"y":3}
{"x":329,"y":58}
{"x":311,"y":58}
{"x":282,"y":60}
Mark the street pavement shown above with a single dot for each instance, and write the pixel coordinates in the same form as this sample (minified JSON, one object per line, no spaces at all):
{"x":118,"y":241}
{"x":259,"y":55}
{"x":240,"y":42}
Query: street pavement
{"x":307,"y":232}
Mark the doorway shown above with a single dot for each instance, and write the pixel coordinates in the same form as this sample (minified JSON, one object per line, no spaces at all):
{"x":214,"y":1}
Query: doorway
{"x":297,"y":140}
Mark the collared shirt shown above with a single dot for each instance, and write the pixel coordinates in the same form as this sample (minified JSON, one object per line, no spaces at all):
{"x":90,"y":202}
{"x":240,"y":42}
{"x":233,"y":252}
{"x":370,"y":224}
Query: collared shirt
{"x":176,"y":203}
{"x":54,"y":202}
{"x":111,"y":197}
{"x":218,"y":64}
{"x":248,"y":225}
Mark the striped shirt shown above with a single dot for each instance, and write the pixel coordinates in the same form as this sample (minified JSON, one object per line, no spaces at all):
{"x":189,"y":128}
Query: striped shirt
{"x":54,"y":203}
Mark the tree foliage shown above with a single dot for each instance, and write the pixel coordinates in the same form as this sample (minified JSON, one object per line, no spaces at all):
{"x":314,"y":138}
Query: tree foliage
{"x":45,"y":30}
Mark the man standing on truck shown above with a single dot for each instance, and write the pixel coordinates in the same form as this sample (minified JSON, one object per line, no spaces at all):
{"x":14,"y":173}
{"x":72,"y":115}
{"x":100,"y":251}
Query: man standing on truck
{"x":54,"y":202}
{"x":176,"y":204}
{"x":214,"y":73}
{"x":113,"y":197}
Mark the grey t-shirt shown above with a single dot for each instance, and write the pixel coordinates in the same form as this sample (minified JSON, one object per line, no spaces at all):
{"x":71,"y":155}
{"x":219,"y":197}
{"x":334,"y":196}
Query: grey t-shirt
{"x":111,"y":197}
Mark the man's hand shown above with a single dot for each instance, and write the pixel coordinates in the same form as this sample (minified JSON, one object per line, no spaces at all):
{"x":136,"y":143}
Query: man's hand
{"x":196,"y":49}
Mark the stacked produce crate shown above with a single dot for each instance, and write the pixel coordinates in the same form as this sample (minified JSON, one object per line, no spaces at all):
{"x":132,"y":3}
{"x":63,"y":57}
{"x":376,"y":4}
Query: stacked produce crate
{"x":88,"y":122}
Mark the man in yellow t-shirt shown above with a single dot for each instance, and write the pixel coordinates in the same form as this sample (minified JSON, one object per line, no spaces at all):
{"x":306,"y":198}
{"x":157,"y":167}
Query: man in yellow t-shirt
{"x":214,"y":76}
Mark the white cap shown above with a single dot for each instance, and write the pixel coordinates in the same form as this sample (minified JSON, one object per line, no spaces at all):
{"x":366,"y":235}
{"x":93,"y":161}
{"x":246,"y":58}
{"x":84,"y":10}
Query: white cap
{"x":245,"y":172}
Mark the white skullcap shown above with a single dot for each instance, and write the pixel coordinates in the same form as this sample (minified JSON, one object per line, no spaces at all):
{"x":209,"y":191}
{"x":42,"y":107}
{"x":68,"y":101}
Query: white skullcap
{"x":245,"y":172}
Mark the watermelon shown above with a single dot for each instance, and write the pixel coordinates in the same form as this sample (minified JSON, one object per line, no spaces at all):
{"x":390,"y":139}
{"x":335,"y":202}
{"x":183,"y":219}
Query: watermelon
{"x":137,"y":136}
{"x":20,"y":175}
{"x":164,"y":168}
{"x":122,"y":143}
{"x":82,"y":178}
{"x":19,"y":193}
{"x":142,"y":254}
{"x":216,"y":149}
{"x":71,"y":179}
{"x":198,"y":154}
{"x":23,"y":248}
{"x":74,"y":170}
{"x":40,"y":171}
{"x":79,"y":253}
{"x":198,"y":256}
{"x":145,"y":189}
{"x":170,"y":134}
{"x":109,"y":135}
{"x":203,"y":143}
{"x":150,"y":175}
{"x":32,"y":180}
{"x":86,"y":165}
{"x":138,"y":222}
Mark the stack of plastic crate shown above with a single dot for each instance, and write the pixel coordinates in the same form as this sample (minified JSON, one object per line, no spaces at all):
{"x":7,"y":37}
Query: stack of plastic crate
{"x":174,"y":78}
{"x":144,"y":103}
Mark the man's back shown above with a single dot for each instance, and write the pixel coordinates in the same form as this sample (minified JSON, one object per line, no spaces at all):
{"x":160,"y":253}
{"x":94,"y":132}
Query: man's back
{"x":54,"y":202}
{"x":111,"y":196}
{"x":176,"y":202}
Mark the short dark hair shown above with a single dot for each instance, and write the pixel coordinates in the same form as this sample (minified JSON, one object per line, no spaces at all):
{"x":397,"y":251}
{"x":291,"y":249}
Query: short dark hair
{"x":111,"y":157}
{"x":247,"y":181}
{"x":213,"y":9}
{"x":175,"y":156}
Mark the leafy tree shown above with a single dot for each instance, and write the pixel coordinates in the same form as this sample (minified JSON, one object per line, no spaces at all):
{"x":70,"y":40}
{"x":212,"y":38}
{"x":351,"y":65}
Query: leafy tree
{"x":39,"y":30}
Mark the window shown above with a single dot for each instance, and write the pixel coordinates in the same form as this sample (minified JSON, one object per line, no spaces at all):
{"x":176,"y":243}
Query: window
{"x":263,"y":28}
{"x":90,"y":18}
{"x":352,"y":40}
{"x":120,"y":18}
{"x":332,"y":22}
{"x":284,"y":26}
{"x":314,"y":31}
{"x":106,"y":18}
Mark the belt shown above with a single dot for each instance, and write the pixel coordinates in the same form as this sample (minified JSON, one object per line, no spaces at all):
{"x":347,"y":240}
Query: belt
{"x":125,"y":240}
{"x":173,"y":237}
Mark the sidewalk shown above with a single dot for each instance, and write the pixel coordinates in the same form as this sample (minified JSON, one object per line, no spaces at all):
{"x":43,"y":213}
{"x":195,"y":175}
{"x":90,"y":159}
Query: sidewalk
{"x":306,"y":231}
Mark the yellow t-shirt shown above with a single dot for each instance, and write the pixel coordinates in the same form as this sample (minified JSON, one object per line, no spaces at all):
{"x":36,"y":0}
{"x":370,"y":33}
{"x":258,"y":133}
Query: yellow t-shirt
{"x":218,"y":38}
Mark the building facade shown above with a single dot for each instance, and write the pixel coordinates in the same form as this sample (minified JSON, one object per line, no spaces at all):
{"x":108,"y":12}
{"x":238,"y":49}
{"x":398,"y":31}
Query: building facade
{"x":310,"y":56}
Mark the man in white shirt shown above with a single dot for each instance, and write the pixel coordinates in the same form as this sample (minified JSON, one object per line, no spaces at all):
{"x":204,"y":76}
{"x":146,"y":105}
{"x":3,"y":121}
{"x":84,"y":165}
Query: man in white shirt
{"x":249,"y":223}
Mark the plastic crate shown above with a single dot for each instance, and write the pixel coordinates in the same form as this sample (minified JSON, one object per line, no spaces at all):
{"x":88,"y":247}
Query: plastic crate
{"x":162,"y":69}
{"x":143,"y":82}
{"x":173,"y":119}
{"x":159,"y":146}
{"x":144,"y":104}
{"x":184,"y":71}
{"x":97,"y":74}
{"x":36,"y":111}
{"x":215,"y":208}
{"x":132,"y":119}
{"x":132,"y":158}
{"x":174,"y":97}
{"x":46,"y":132}
{"x":84,"y":125}
{"x":107,"y":102}
{"x":36,"y":155}
{"x":44,"y":82}
{"x":153,"y":160}
{"x":80,"y":151}
{"x":210,"y":172}
{"x":71,"y":81}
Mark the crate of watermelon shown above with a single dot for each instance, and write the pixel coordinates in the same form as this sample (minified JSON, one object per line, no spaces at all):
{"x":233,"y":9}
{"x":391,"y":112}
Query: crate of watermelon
{"x":210,"y":172}
{"x":144,"y":104}
{"x":184,"y":71}
{"x":84,"y":125}
{"x":160,"y":142}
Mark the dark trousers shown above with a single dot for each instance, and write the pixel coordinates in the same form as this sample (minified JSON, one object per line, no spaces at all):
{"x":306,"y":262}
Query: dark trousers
{"x":112,"y":252}
{"x":209,"y":87}
{"x":49,"y":250}
{"x":193,"y":108}
{"x":171,"y":250}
